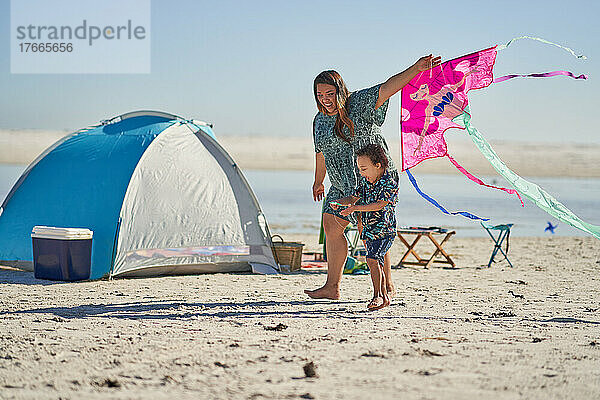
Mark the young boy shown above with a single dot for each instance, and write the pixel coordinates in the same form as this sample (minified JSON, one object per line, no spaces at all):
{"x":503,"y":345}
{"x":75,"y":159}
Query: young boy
{"x":375,"y":198}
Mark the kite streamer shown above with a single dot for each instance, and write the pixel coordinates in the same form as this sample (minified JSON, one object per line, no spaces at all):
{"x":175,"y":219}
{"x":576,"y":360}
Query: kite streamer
{"x":503,"y":46}
{"x":412,"y":180}
{"x":540,"y":75}
{"x":537,"y":195}
{"x":479,"y":181}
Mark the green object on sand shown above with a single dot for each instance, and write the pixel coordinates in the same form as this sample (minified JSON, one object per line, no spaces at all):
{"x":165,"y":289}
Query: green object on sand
{"x":321,"y":230}
{"x":354,"y":267}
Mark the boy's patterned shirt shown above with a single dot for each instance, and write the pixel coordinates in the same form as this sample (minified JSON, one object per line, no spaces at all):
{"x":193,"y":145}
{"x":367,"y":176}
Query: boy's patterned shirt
{"x":382,"y":223}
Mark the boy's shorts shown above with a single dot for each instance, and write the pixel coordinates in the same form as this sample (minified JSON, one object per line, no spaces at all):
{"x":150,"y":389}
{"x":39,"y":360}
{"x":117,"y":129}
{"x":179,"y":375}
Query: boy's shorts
{"x":377,"y":248}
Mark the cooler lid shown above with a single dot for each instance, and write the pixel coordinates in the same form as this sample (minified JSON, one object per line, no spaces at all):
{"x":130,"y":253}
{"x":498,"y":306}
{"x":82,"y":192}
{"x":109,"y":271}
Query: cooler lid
{"x":51,"y":232}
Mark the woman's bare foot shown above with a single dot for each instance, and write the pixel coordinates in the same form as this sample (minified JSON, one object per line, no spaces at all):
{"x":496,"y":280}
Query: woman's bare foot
{"x":391,"y":292}
{"x":387,"y":300}
{"x":325,"y":292}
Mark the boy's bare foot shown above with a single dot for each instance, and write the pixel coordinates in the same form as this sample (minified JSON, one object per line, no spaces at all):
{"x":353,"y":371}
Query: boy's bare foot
{"x":377,"y":303}
{"x":324,"y":292}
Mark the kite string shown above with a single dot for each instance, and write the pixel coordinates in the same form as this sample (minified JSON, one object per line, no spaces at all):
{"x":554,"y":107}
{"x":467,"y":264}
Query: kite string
{"x":504,"y":46}
{"x":479,"y":181}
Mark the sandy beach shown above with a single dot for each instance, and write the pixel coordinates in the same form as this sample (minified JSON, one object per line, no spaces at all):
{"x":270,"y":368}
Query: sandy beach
{"x":297,"y":153}
{"x":85,"y":149}
{"x":530,"y":332}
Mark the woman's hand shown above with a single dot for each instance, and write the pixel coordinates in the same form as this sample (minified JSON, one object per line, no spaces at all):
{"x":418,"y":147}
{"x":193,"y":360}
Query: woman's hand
{"x":318,"y":191}
{"x":348,"y":211}
{"x":334,"y":205}
{"x":427,"y":62}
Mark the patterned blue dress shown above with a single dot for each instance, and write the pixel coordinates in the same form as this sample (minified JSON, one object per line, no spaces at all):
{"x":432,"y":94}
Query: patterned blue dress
{"x":340,"y":159}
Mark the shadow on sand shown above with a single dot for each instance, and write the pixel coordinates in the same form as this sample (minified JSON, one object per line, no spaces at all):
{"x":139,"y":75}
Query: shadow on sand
{"x":183,"y":310}
{"x":15,"y":276}
{"x":157,"y":310}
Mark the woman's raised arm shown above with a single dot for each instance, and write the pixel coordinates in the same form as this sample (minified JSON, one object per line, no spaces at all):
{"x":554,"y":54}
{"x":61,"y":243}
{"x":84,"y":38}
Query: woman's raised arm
{"x":398,"y":81}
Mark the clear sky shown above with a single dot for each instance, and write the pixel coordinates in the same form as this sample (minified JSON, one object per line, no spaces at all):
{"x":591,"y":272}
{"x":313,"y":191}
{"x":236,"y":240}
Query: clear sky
{"x":248,"y":66}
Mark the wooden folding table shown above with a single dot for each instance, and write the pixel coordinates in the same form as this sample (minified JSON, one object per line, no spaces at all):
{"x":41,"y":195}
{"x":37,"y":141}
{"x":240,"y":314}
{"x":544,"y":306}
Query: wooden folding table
{"x":429,"y":233}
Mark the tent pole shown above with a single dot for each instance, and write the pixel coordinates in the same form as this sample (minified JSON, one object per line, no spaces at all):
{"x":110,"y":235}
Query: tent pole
{"x":114,"y":252}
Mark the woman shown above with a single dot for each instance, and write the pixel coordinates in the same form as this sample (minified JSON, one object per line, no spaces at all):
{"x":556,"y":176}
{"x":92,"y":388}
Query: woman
{"x":347,"y":122}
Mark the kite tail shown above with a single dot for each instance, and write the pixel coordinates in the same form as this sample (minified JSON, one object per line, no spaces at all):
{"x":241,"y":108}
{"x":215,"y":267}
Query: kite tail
{"x":539,"y":75}
{"x":479,"y":181}
{"x":503,"y":46}
{"x":542,"y":74}
{"x":537,"y":195}
{"x":435,"y":203}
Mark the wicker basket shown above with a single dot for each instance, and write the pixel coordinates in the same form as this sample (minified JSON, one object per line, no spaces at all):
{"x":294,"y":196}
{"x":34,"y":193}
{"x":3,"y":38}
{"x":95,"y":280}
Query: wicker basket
{"x":287,"y":253}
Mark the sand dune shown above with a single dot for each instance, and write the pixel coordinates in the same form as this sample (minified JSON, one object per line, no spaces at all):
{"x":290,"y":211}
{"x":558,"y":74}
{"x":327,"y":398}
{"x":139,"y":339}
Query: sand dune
{"x":296,"y":153}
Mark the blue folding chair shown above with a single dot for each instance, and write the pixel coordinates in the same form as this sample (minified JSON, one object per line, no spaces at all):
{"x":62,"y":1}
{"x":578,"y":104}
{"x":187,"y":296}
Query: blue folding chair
{"x":503,"y":234}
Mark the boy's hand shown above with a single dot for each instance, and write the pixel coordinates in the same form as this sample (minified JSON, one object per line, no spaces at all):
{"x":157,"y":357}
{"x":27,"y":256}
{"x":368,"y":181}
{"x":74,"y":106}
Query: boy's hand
{"x":348,"y":211}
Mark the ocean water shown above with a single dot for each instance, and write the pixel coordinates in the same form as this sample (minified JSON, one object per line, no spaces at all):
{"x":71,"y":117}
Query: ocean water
{"x":286,"y":200}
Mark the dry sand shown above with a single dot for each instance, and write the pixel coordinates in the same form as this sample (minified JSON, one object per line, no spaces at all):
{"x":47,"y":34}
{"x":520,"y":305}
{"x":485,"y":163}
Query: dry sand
{"x":530,"y":332}
{"x":296,"y":153}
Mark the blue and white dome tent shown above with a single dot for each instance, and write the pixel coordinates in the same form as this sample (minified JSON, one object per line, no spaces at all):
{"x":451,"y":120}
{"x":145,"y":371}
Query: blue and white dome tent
{"x":159,"y":192}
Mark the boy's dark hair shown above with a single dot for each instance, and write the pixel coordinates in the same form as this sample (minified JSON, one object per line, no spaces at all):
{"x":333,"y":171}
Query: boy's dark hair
{"x":376,"y":153}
